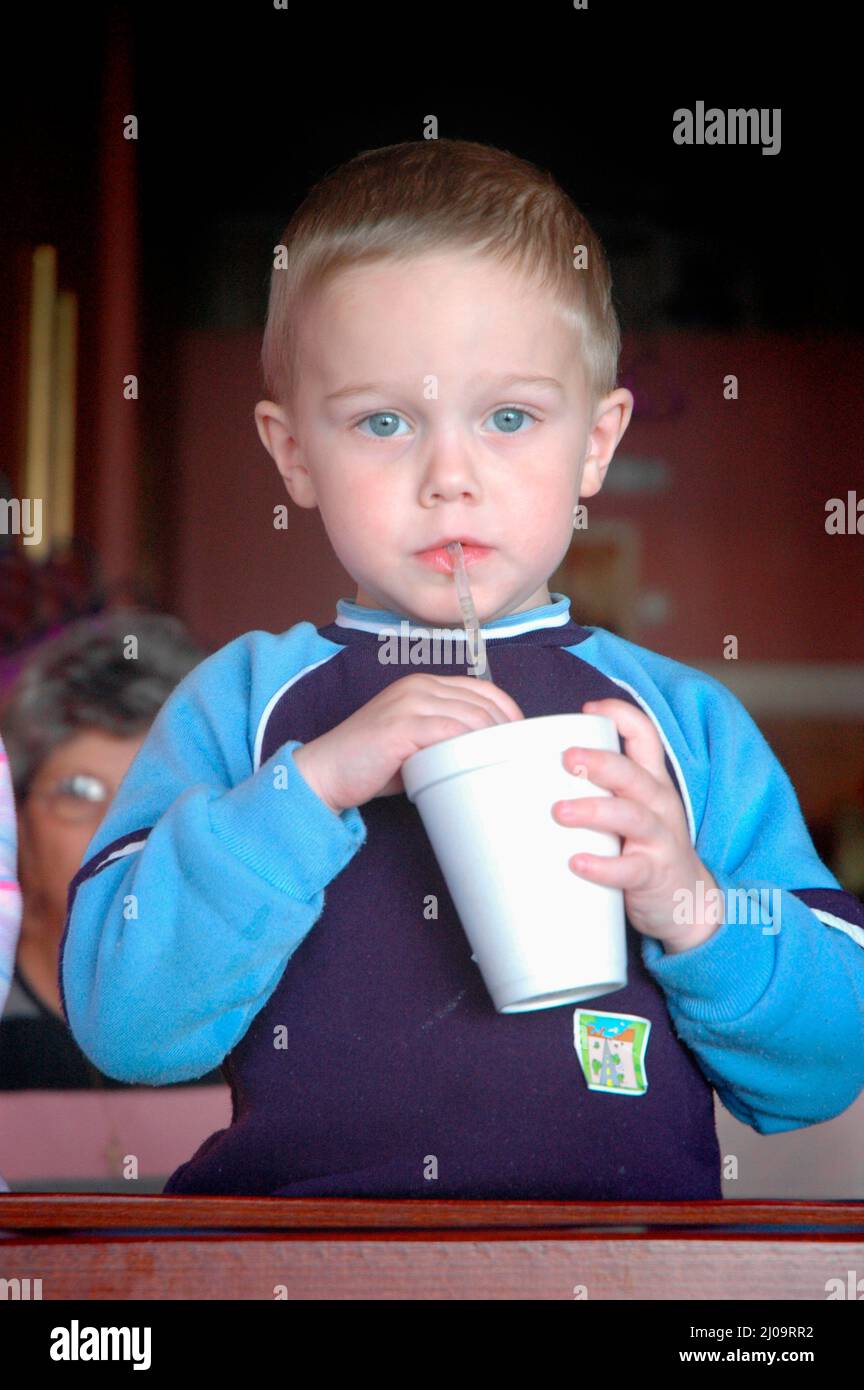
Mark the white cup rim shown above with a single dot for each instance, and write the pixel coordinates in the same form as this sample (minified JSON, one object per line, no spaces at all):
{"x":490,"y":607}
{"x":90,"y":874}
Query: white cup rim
{"x":480,"y":748}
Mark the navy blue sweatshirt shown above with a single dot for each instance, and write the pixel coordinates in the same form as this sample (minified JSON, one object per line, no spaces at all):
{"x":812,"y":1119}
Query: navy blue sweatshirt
{"x":224,"y":915}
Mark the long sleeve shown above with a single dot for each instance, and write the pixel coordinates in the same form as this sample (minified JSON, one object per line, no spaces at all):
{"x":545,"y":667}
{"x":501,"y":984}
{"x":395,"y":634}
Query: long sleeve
{"x":10,"y":892}
{"x":201,"y":882}
{"x":773,"y":1003}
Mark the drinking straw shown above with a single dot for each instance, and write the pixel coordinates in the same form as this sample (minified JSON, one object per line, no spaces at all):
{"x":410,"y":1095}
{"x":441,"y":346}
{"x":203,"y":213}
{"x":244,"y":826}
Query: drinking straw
{"x":469,"y":612}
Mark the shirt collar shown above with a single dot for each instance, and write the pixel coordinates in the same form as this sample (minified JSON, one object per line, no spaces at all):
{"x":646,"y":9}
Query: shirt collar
{"x":356,"y":616}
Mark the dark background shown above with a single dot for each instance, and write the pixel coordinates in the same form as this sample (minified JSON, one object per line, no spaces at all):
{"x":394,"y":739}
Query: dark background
{"x":242,"y":107}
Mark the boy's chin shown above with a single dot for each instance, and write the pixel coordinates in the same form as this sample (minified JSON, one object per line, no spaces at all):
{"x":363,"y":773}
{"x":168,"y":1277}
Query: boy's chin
{"x":446,"y":612}
{"x":434,"y":614}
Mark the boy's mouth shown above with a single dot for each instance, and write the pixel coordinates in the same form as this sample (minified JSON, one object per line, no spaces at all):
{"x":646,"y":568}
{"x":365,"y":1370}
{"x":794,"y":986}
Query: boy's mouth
{"x":438,"y":557}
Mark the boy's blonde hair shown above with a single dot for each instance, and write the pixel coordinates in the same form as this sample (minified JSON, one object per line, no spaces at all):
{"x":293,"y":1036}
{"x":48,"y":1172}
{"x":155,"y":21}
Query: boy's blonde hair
{"x":423,"y":196}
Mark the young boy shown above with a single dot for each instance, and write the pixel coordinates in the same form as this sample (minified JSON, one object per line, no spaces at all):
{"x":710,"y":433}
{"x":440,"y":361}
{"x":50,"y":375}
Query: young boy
{"x":442,"y":359}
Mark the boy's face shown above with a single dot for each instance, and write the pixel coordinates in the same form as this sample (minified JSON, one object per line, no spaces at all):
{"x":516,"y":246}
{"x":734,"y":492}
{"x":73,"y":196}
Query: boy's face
{"x":434,"y":443}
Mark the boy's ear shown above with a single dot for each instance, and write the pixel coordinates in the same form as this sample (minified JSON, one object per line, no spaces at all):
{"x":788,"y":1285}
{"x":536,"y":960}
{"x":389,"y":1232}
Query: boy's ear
{"x":275,"y":433}
{"x":611,"y":418}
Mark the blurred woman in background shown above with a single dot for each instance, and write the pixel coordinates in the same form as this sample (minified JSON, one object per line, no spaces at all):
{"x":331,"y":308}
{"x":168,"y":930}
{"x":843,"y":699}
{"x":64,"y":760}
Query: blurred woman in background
{"x":72,"y":721}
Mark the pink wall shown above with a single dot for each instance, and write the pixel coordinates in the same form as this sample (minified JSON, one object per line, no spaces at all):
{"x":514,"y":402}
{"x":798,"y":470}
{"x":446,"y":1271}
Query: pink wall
{"x":738,"y":541}
{"x":233,"y":571}
{"x":71,"y":1135}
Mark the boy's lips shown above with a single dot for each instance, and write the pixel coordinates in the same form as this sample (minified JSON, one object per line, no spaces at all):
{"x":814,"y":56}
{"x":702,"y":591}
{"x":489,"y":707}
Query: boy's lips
{"x":438,"y":557}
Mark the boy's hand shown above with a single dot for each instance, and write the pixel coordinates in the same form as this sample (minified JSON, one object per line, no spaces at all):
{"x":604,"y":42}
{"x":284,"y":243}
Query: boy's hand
{"x":657,"y":858}
{"x":361,"y":758}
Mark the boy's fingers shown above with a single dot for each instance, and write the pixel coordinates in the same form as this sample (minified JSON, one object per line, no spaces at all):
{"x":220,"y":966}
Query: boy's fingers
{"x":485,"y":689}
{"x":619,"y":774}
{"x":640,"y":740}
{"x":476,"y":699}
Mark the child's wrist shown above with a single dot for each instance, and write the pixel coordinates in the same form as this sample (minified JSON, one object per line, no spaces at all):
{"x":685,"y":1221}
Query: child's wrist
{"x":304,"y":760}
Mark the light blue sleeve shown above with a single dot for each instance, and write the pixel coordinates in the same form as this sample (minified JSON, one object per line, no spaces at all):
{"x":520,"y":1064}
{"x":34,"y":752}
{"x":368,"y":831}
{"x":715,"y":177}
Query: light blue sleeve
{"x":202,"y":880}
{"x":772,"y":1005}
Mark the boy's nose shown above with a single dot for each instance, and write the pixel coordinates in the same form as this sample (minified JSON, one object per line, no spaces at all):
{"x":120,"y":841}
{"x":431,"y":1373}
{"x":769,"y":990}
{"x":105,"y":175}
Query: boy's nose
{"x":450,"y":475}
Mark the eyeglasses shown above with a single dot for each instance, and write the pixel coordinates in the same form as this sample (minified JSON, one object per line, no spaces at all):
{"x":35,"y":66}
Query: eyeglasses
{"x":79,"y":797}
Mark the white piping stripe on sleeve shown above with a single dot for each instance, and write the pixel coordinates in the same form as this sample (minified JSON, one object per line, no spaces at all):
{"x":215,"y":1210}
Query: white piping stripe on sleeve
{"x":262,"y":722}
{"x":259,"y":739}
{"x":119,"y":853}
{"x":667,"y":745}
{"x":856,"y":933}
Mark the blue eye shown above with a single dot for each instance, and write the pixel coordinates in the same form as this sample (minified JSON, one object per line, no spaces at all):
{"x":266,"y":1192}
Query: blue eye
{"x":505,"y":417}
{"x":388,"y":420}
{"x":384,"y":423}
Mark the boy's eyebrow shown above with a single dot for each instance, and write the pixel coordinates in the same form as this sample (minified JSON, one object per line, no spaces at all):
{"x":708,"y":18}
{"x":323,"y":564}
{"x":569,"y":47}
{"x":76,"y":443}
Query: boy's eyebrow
{"x":514,"y":380}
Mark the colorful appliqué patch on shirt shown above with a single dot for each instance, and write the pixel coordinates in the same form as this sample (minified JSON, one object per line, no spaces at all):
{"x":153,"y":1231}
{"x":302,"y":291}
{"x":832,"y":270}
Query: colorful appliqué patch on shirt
{"x":611,"y":1049}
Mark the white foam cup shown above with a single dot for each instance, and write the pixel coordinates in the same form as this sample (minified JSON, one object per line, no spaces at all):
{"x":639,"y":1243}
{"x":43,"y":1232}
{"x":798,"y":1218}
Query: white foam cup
{"x":540,"y":934}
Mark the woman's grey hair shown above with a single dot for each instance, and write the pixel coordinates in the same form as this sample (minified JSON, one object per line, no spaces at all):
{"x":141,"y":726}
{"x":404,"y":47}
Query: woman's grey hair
{"x":89,"y":676}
